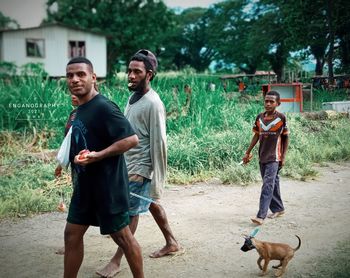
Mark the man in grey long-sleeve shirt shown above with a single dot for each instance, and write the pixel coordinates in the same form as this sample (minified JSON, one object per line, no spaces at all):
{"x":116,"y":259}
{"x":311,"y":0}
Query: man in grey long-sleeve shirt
{"x":147,"y":161}
{"x":149,"y":158}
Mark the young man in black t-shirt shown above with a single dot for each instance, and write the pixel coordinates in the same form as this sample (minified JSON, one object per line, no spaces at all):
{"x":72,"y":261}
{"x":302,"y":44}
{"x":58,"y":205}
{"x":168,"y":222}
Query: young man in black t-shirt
{"x":100,"y":136}
{"x":270,"y":129}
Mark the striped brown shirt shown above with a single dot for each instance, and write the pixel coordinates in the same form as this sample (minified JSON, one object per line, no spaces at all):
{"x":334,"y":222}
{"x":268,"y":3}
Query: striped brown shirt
{"x":270,"y":129}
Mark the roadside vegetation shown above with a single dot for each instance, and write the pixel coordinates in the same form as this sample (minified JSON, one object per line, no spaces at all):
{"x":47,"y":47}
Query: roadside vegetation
{"x":208,"y":133}
{"x":334,"y":265}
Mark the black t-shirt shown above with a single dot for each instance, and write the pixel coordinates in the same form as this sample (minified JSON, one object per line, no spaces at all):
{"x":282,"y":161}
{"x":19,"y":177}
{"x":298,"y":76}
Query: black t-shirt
{"x":101,"y":185}
{"x":70,"y":120}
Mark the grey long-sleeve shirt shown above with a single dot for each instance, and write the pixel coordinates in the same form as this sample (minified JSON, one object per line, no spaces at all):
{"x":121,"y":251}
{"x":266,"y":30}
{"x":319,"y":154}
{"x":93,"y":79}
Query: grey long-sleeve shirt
{"x":149,"y":158}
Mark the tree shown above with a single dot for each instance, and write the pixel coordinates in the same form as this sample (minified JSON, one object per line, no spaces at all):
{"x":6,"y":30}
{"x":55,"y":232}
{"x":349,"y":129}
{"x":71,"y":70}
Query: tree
{"x":128,"y":25}
{"x":306,"y":26}
{"x":271,"y":19}
{"x":236,"y":35}
{"x":319,"y":26}
{"x":330,"y":23}
{"x":188,"y":44}
{"x":197,"y":52}
{"x":7,"y":22}
{"x":342,"y":33}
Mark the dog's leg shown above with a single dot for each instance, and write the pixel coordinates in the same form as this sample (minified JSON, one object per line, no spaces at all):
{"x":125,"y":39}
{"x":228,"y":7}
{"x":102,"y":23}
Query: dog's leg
{"x":277,"y":266}
{"x":281,"y":271}
{"x":266,"y":263}
{"x":259,"y":262}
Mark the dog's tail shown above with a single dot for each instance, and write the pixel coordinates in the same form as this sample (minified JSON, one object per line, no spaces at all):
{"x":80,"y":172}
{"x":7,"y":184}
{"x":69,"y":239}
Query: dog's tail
{"x":297,"y":248}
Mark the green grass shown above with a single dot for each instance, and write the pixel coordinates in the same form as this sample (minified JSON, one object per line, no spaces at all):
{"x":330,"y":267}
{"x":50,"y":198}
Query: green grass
{"x":207,"y":140}
{"x":334,"y":265}
{"x":320,"y":96}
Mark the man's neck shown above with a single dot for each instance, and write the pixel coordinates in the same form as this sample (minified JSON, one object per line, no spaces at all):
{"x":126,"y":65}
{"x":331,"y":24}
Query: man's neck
{"x":86,"y":98}
{"x":146,"y":90}
{"x":270,"y":113}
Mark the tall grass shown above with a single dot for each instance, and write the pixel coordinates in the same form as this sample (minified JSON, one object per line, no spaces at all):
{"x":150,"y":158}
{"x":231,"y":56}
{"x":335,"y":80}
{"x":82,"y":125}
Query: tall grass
{"x":26,"y":175}
{"x":320,"y":96}
{"x":207,"y":139}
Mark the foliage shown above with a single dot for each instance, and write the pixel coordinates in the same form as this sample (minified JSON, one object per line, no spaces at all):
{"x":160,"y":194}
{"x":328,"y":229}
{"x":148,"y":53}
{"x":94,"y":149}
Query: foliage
{"x":342,"y":25}
{"x":7,"y":22}
{"x":194,"y":49}
{"x":7,"y":69}
{"x":27,"y":182}
{"x":254,"y":32}
{"x":249,"y":34}
{"x":34,"y":69}
{"x":206,"y":137}
{"x":129,"y":25}
{"x":335,"y":264}
{"x":240,"y":41}
{"x":316,"y":26}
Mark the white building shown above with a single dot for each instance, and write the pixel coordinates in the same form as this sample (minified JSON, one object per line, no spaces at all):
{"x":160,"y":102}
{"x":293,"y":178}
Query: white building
{"x":53,"y":45}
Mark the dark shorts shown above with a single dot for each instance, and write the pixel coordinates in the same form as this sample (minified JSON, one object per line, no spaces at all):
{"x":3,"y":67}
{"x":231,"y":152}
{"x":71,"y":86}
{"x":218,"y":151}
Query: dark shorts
{"x":108,"y":223}
{"x":137,"y":204}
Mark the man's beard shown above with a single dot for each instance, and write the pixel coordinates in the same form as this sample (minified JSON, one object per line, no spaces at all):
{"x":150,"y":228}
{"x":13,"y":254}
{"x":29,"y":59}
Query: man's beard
{"x":140,"y":87}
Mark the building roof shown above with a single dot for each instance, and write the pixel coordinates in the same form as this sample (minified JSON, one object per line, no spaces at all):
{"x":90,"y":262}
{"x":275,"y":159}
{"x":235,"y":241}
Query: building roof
{"x":258,"y":73}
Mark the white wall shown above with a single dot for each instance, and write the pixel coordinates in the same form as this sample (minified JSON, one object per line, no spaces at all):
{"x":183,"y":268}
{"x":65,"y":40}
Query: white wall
{"x":56,"y":48}
{"x":96,"y":49}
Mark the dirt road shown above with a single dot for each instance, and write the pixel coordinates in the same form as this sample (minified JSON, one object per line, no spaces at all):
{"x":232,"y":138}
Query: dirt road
{"x":208,"y":220}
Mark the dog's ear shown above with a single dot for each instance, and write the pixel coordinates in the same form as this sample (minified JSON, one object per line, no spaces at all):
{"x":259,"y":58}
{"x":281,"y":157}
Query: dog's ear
{"x":245,"y":236}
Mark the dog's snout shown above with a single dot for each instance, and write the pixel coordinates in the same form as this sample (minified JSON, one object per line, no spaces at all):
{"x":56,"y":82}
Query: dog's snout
{"x":244,"y":248}
{"x":248,"y":245}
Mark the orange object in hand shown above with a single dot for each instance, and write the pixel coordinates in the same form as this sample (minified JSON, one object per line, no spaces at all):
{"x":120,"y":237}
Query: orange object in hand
{"x":83,"y":154}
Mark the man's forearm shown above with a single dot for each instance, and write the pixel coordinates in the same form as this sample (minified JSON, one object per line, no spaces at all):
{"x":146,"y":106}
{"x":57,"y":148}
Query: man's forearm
{"x":116,"y":148}
{"x":121,"y":146}
{"x":285,"y":144}
{"x":253,"y":143}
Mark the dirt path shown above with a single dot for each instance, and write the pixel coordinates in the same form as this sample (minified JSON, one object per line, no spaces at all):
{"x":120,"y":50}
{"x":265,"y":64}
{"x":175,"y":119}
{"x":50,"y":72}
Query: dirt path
{"x":208,"y":220}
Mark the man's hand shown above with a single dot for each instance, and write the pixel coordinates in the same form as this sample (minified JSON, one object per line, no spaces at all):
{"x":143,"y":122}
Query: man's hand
{"x":281,"y":164}
{"x":247,"y":158}
{"x":86,"y":157}
{"x":58,"y":171}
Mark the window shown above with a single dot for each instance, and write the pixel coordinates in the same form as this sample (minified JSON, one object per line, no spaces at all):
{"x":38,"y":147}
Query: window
{"x":76,"y":48}
{"x":35,"y":48}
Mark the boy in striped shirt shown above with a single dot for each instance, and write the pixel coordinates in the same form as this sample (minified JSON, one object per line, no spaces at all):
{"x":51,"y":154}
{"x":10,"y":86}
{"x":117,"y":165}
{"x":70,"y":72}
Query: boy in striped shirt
{"x":270,"y":129}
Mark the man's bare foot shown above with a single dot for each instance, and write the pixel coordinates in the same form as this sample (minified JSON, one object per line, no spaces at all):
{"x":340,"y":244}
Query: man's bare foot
{"x":60,"y":251}
{"x":109,"y":271}
{"x":166,"y":250}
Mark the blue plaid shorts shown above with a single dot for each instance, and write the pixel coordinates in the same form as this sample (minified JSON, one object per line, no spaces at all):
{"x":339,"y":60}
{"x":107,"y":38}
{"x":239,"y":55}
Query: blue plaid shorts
{"x":141,"y":188}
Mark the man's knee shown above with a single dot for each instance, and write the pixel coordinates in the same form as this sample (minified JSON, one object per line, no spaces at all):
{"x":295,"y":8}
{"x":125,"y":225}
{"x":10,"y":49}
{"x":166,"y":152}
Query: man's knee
{"x":74,"y":233}
{"x":156,"y":208}
{"x":123,"y":237}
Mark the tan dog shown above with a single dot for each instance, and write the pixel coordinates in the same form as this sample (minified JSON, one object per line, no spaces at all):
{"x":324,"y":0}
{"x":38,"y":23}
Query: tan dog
{"x":270,"y":251}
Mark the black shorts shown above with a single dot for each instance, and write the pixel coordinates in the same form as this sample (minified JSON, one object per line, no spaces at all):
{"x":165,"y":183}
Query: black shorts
{"x":108,"y":223}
